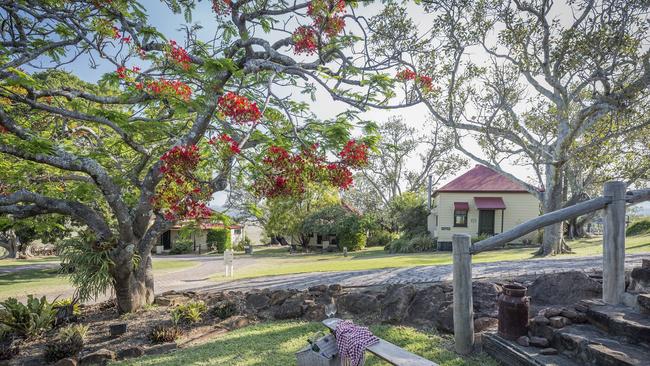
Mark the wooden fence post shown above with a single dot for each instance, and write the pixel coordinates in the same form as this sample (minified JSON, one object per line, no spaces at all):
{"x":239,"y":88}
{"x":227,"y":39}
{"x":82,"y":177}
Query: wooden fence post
{"x":614,"y":244}
{"x":463,"y":305}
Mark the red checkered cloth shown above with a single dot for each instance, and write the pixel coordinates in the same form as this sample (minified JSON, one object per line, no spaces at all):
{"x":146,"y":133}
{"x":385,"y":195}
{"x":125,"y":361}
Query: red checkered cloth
{"x":352,"y":341}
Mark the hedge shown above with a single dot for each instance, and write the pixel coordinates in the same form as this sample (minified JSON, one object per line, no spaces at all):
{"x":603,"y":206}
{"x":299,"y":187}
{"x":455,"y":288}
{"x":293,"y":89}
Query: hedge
{"x":219,"y":239}
{"x":638,"y":228}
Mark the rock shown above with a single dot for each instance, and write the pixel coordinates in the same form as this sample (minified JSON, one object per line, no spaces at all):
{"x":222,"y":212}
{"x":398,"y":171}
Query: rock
{"x":290,"y":309}
{"x":543,"y":331}
{"x":131,"y":352}
{"x":559,"y":322}
{"x":639,"y":280}
{"x":318,"y":288}
{"x":445,"y":319}
{"x":161,"y":348}
{"x":258,"y":301}
{"x":580,"y":318}
{"x":66,"y":362}
{"x":484,"y":323}
{"x":395,"y":304}
{"x":550,"y":312}
{"x":645,"y":263}
{"x":484,"y":295}
{"x":358,"y":303}
{"x":170,"y":300}
{"x":426,"y":303}
{"x":548,"y":351}
{"x":99,"y":357}
{"x":335,"y":289}
{"x":116,"y":330}
{"x":315,"y":312}
{"x":643,"y":300}
{"x":235,"y":322}
{"x":523,"y":340}
{"x":581,"y":308}
{"x":563,"y":288}
{"x":538,"y":342}
{"x":540,"y":320}
{"x":278,"y":297}
{"x":570,"y":314}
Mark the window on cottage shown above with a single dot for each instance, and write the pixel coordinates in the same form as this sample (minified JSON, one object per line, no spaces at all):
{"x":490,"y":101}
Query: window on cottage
{"x":460,"y":218}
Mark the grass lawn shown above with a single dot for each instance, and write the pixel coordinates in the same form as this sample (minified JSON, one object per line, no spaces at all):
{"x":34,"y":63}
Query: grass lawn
{"x":36,"y":281}
{"x":9,"y":262}
{"x":277,"y":261}
{"x":275,"y":344}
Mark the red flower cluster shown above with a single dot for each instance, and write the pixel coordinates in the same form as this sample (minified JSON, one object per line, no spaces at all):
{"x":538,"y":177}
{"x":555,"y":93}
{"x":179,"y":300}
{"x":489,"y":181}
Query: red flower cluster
{"x":169,"y":87}
{"x":178,"y":54}
{"x":354,"y":154}
{"x":305,"y":40}
{"x":177,"y":195}
{"x":230,"y":143}
{"x":3,"y":129}
{"x":239,"y":108}
{"x":221,"y":7}
{"x":288,"y":174}
{"x":327,"y":19}
{"x":426,"y":82}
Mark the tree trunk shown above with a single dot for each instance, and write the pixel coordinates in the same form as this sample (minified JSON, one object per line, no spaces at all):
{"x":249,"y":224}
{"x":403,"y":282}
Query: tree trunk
{"x":553,"y":241}
{"x":10,"y":243}
{"x":134,"y":287}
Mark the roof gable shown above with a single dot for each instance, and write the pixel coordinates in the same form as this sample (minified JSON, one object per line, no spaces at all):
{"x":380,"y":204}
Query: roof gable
{"x":482,"y":179}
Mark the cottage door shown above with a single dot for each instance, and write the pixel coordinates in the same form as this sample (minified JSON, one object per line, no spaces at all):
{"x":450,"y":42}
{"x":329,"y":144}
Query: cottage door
{"x":166,"y":240}
{"x":486,"y":222}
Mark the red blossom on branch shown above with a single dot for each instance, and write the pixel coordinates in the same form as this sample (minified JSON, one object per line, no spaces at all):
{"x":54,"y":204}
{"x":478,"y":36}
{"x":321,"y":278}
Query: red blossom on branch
{"x":169,"y":87}
{"x":425,"y":82}
{"x":327,"y":19}
{"x":221,"y":7}
{"x":226,"y":140}
{"x":354,"y":154}
{"x":305,"y":40}
{"x":179,"y":55}
{"x":239,"y":108}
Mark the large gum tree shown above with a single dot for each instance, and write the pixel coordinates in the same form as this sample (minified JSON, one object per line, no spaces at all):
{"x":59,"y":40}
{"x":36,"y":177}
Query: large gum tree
{"x":148,"y":142}
{"x":535,"y":82}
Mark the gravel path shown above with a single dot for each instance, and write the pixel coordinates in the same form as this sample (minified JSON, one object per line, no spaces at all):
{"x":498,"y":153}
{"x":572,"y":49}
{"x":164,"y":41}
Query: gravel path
{"x":198,"y":277}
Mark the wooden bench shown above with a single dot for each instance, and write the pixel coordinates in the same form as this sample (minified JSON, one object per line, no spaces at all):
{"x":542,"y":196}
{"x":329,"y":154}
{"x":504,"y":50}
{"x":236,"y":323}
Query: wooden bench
{"x":388,"y":351}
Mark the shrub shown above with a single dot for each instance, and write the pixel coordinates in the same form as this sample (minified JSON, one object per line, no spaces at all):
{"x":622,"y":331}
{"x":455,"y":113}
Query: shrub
{"x":380,"y":238}
{"x":416,"y":244}
{"x":638,"y":228}
{"x":190,"y":312}
{"x":29,"y":319}
{"x":224,"y":310}
{"x":68,"y":343}
{"x":165,"y":334}
{"x":182,"y":247}
{"x":478,"y":238}
{"x":353,"y":241}
{"x":219,"y":239}
{"x":67,"y":302}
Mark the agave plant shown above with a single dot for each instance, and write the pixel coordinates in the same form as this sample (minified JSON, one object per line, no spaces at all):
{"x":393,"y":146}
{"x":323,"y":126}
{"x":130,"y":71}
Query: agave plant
{"x":29,"y":319}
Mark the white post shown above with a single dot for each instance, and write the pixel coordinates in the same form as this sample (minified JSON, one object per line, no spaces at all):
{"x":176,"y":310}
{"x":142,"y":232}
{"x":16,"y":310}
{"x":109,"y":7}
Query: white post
{"x":463,"y":305}
{"x":614,"y":244}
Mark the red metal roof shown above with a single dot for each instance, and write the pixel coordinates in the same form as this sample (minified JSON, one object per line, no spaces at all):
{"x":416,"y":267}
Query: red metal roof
{"x":489,"y":203}
{"x":461,"y":206}
{"x":482,"y":179}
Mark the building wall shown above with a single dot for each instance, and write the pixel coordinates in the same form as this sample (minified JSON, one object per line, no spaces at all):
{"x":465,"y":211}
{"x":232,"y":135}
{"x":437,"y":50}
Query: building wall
{"x":520,"y":207}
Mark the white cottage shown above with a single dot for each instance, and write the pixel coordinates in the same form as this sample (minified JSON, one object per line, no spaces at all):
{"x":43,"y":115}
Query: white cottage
{"x":480,"y":202}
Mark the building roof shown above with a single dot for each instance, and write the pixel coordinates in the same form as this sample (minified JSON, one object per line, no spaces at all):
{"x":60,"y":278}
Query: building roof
{"x":208,"y":225}
{"x":482,"y":179}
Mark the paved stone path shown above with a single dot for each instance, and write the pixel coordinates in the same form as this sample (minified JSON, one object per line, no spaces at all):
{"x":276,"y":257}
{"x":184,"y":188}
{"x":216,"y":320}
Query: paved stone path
{"x":197,"y":278}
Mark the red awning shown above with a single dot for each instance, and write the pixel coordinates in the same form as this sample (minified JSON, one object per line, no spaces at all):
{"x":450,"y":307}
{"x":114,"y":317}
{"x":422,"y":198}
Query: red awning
{"x":461,"y":206}
{"x":489,"y":203}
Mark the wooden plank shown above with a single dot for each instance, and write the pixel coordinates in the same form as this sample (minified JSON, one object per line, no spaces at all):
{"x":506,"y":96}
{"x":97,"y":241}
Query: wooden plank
{"x":614,"y":244}
{"x":388,"y":351}
{"x":541,"y":221}
{"x":462,"y":282}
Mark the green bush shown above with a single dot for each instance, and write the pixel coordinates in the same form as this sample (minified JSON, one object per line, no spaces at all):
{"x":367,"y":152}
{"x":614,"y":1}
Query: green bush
{"x":380,"y":238}
{"x":638,"y":228}
{"x":182,"y":247}
{"x":349,"y":227}
{"x":190,"y":312}
{"x":416,"y":244}
{"x":478,"y":238}
{"x":219,"y":239}
{"x":68,"y":343}
{"x":29,"y":319}
{"x":353,"y":241}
